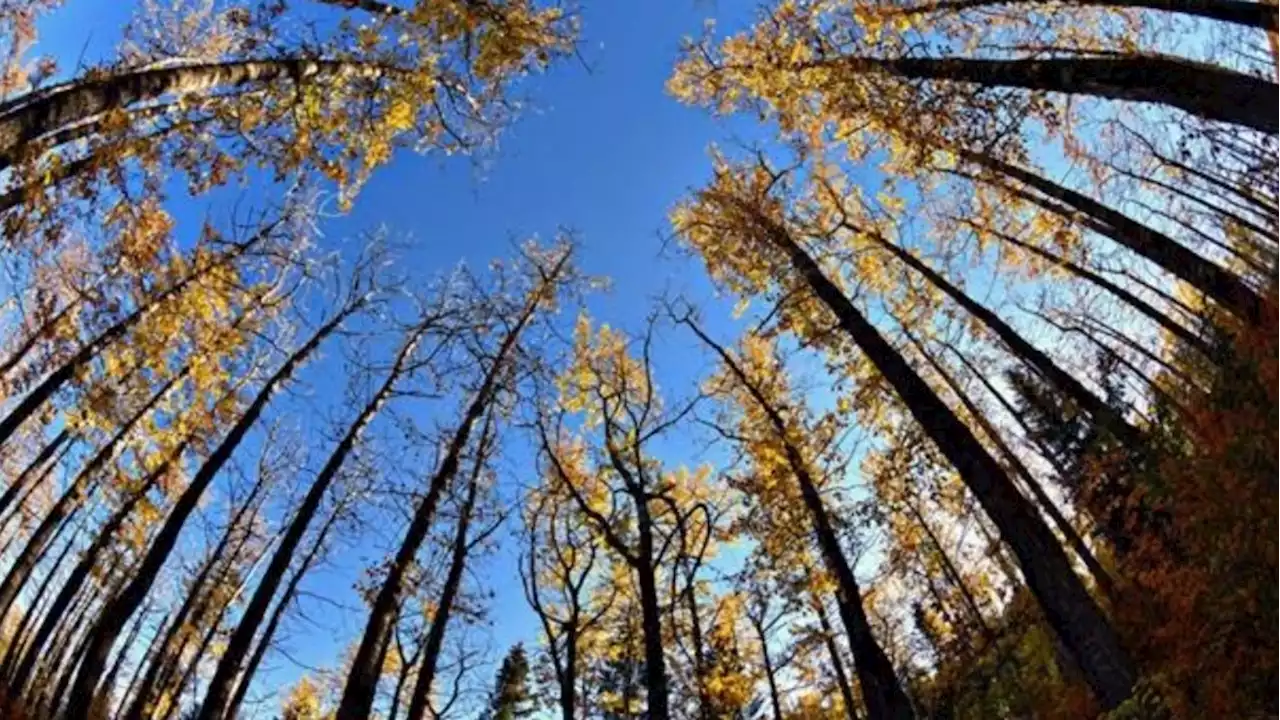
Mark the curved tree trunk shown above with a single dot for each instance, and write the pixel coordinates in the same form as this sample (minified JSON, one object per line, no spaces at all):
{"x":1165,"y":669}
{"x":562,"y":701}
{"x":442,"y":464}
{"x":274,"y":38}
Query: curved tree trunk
{"x":1258,"y":15}
{"x":366,"y":666}
{"x":1067,"y":605}
{"x":881,"y":689}
{"x":75,"y":581}
{"x":1025,"y":351}
{"x":444,"y":608}
{"x":19,"y":484}
{"x":71,"y":499}
{"x":82,"y":100}
{"x":1208,"y":91}
{"x":1099,"y":573}
{"x":121,"y":607}
{"x":1162,"y":250}
{"x":220,"y":687}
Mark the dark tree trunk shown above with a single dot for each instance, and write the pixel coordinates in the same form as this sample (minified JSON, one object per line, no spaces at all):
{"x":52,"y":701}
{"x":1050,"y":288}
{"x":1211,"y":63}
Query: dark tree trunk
{"x":1162,"y":250}
{"x":1067,"y":605}
{"x":775,"y":697}
{"x":19,"y":484}
{"x":1153,"y":313}
{"x":881,"y":689}
{"x":1207,"y":91}
{"x":366,"y":666}
{"x":39,"y":333}
{"x":75,"y":581}
{"x":655,"y":665}
{"x":195,"y":605}
{"x":1240,"y":12}
{"x":444,"y":608}
{"x":120,"y":608}
{"x":55,"y":380}
{"x":1023,"y":349}
{"x":1099,"y":573}
{"x":837,"y":662}
{"x":72,"y":498}
{"x":220,"y":687}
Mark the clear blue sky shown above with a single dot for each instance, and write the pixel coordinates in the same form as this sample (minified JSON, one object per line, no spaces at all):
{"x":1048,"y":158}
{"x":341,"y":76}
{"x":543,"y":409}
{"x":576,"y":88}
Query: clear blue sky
{"x":602,"y":151}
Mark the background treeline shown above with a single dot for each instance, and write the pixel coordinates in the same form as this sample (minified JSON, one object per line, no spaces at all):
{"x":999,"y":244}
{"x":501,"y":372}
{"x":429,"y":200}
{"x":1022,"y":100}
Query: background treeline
{"x":996,"y":436}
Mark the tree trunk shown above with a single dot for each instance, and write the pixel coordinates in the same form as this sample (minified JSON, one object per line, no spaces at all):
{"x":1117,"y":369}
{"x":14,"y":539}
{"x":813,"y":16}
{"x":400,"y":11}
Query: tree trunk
{"x":18,"y":484}
{"x":39,"y":333}
{"x":881,"y":690}
{"x":55,"y":380}
{"x":655,"y":665}
{"x":1201,"y":89}
{"x":194,"y":605}
{"x":1153,"y":313}
{"x":277,"y":616}
{"x":1099,"y":573}
{"x":120,"y":608}
{"x":837,"y":662}
{"x":84,"y":99}
{"x":18,"y":638}
{"x":1162,"y":250}
{"x":1258,"y":15}
{"x":72,"y":497}
{"x":444,"y":608}
{"x":1070,"y":610}
{"x":75,"y":581}
{"x":220,"y":687}
{"x":775,"y":698}
{"x":366,"y":666}
{"x":1023,"y":349}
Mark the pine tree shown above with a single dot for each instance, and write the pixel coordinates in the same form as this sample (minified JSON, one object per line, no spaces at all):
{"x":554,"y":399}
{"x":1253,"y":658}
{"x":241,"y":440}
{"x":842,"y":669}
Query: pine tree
{"x":511,"y":697}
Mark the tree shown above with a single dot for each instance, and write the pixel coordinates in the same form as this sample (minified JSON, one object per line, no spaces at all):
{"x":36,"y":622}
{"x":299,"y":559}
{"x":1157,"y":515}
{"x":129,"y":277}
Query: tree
{"x":511,"y":697}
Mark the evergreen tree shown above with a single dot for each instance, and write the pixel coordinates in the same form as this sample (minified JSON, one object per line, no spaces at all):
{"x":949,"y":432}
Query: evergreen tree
{"x":511,"y":697}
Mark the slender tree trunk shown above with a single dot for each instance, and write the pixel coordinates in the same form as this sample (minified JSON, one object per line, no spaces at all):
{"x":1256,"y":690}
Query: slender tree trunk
{"x":1240,"y":12}
{"x":362,"y":680}
{"x":71,"y":499}
{"x":220,"y":687}
{"x":18,"y":639}
{"x":1099,"y":573}
{"x":194,"y":606}
{"x":881,"y":689}
{"x":75,"y":581}
{"x":1162,"y":250}
{"x":775,"y":697}
{"x":55,"y":380}
{"x":1201,"y":89}
{"x":1025,"y":351}
{"x":1176,"y":329}
{"x":19,"y":484}
{"x":444,"y":608}
{"x":120,"y":608}
{"x":277,"y":616}
{"x":1070,"y":610}
{"x":655,"y":666}
{"x":39,"y":333}
{"x":837,"y":662}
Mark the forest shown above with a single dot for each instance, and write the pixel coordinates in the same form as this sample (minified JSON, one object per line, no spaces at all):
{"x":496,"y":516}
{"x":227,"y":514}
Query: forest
{"x":947,"y":387}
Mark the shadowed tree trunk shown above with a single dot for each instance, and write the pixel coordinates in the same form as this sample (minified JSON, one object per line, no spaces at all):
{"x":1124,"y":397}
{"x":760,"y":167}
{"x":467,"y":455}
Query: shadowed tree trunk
{"x":448,"y":594}
{"x":1166,"y":253}
{"x":1208,"y":91}
{"x":220,"y":687}
{"x":366,"y":666}
{"x":1240,"y":12}
{"x":1067,"y":605}
{"x":72,"y":497}
{"x":120,"y":608}
{"x":881,"y":689}
{"x":19,"y":484}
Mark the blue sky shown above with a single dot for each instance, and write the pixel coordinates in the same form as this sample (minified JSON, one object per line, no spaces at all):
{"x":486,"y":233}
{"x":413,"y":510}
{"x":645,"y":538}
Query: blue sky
{"x":602,"y":151}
